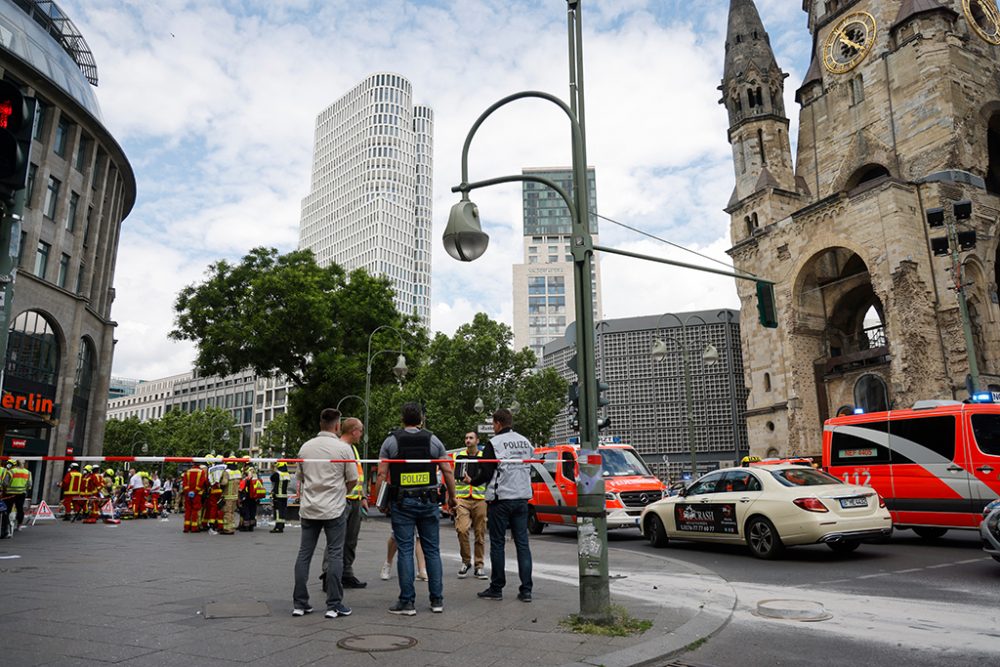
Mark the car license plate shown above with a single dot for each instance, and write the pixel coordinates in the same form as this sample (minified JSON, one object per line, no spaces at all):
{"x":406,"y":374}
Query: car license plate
{"x":857,"y":501}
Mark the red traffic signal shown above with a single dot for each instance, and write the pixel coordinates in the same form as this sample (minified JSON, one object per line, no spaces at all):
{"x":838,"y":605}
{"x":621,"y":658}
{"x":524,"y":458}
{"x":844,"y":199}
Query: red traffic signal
{"x":17,"y":114}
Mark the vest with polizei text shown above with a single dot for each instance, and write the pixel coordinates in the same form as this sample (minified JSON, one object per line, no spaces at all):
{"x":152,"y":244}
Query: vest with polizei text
{"x":511,"y":481}
{"x":413,"y":445}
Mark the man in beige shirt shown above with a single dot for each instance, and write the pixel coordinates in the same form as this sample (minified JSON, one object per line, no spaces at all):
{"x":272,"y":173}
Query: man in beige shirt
{"x":323,"y":489}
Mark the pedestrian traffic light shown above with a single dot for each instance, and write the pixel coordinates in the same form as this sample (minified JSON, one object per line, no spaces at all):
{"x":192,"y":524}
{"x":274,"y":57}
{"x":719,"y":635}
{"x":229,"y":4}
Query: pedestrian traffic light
{"x":603,"y":423}
{"x":17,"y":116}
{"x":766,"y":308}
{"x":574,"y":396}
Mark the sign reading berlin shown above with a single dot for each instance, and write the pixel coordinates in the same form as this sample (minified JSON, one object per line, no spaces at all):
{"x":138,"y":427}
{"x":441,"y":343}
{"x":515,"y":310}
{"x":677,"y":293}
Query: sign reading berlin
{"x":31,"y":402}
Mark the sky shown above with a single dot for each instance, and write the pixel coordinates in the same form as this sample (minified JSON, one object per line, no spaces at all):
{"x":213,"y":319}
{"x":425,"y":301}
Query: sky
{"x":215,"y":103}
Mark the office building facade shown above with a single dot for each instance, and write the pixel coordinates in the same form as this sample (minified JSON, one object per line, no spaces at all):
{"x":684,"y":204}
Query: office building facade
{"x":543,"y":285}
{"x":80,"y":188}
{"x":369,"y":205}
{"x":648,"y":398}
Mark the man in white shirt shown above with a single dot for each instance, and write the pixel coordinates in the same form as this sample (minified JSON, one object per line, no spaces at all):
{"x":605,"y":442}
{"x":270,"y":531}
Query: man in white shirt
{"x":323,"y":489}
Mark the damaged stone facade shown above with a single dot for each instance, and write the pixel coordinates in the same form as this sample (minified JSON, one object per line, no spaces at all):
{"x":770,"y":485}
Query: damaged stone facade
{"x":868,"y":315}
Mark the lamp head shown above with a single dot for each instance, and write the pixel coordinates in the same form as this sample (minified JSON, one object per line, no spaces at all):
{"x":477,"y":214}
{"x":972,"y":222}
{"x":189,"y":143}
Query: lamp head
{"x":400,"y":369}
{"x":659,"y":350}
{"x":710,"y":355}
{"x":515,"y":407}
{"x":464,"y":238}
{"x":479,"y":406}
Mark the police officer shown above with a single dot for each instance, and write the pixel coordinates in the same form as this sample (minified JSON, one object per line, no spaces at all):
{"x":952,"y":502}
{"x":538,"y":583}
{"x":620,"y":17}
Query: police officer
{"x":470,"y":510}
{"x":279,"y":495}
{"x":508,"y":489}
{"x":414,"y":504}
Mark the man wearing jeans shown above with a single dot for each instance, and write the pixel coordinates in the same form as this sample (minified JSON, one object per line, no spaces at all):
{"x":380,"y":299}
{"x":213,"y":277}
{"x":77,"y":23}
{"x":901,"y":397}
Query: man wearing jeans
{"x":414,"y":488}
{"x":508,"y":488}
{"x":323,"y":489}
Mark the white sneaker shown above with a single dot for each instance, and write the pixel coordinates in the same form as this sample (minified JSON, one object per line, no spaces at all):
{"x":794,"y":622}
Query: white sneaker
{"x":463,"y":571}
{"x":212,"y":531}
{"x":385,"y":572}
{"x":480,"y":573}
{"x":302,"y":612}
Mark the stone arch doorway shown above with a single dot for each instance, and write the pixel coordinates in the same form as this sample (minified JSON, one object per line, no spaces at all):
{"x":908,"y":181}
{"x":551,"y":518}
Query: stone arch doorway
{"x":840,"y":322}
{"x":86,"y":359}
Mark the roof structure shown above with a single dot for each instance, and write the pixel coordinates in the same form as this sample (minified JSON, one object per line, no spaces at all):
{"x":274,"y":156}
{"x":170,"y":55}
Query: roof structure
{"x":53,"y":20}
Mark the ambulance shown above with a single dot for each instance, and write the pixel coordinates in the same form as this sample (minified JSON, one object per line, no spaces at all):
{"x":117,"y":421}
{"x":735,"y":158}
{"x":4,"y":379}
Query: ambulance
{"x":937,"y":465}
{"x":628,"y":486}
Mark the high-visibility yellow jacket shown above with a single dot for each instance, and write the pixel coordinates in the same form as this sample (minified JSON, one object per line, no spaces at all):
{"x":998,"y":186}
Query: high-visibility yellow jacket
{"x":359,"y":488}
{"x":464,"y":490}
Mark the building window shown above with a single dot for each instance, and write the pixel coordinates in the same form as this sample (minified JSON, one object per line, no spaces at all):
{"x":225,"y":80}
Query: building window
{"x":62,"y":138}
{"x":74,"y":202}
{"x":86,"y":228}
{"x":52,"y":197}
{"x":40,"y":112}
{"x":30,"y":186}
{"x":63,"y":270}
{"x":20,"y":246}
{"x":42,"y":259}
{"x":857,"y":90}
{"x":81,"y":154}
{"x":79,"y":278}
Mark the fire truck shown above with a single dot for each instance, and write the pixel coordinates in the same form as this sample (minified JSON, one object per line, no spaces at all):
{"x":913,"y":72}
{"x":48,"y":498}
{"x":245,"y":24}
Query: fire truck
{"x":628,"y":486}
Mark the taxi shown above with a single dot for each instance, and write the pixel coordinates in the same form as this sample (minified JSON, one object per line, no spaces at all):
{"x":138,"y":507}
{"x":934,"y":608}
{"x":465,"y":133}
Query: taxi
{"x":989,"y":529}
{"x":769,"y":507}
{"x":629,"y":486}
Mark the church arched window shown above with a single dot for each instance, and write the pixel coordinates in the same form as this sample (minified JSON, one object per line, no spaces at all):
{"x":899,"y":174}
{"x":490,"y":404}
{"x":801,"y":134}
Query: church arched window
{"x":870,"y":393}
{"x":760,"y":145}
{"x":993,"y":146}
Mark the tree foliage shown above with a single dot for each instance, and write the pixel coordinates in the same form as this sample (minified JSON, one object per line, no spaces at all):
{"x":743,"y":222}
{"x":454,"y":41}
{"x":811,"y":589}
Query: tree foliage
{"x":284,"y":315}
{"x":476,"y":362}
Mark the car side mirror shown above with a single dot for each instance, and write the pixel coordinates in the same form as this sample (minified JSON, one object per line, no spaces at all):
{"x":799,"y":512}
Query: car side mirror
{"x":683,"y":491}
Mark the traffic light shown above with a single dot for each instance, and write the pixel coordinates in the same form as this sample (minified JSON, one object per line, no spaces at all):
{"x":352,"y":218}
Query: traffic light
{"x":766,"y":308}
{"x":574,"y":406}
{"x":17,"y":116}
{"x":602,"y":400}
{"x":603,"y":423}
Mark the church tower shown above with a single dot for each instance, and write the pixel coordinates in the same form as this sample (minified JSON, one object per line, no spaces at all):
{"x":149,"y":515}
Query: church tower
{"x":899,"y":115}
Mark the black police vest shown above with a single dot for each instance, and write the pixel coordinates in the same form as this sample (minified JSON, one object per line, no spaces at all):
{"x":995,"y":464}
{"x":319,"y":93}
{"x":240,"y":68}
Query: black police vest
{"x":413,"y":445}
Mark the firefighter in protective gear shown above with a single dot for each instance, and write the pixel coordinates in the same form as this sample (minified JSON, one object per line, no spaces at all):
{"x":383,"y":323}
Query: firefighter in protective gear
{"x":230,"y":496}
{"x":71,"y":485}
{"x":213,"y":512}
{"x":94,"y":486}
{"x":470,"y":509}
{"x":251,"y":491}
{"x":86,"y":492}
{"x":18,"y":488}
{"x":194,"y":483}
{"x":279,"y":495}
{"x":109,"y":483}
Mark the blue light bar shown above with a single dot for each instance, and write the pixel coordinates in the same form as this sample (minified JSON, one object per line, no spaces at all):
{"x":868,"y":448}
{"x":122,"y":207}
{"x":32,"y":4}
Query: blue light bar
{"x":982,"y":397}
{"x":859,"y":411}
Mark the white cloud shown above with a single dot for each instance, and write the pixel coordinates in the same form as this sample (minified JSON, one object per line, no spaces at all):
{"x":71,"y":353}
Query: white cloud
{"x":215,"y":104}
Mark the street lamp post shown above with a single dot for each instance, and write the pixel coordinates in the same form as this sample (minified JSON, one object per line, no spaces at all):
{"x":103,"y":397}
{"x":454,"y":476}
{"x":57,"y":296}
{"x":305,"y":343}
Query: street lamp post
{"x":363,"y":402}
{"x":710,"y":355}
{"x":465,"y":240}
{"x":399,"y":370}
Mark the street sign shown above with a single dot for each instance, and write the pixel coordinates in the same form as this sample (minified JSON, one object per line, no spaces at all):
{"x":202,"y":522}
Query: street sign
{"x":485,"y":429}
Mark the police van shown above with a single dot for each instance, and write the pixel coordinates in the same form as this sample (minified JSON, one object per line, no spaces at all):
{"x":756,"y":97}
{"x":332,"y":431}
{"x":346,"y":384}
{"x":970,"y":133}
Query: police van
{"x":937,"y":465}
{"x":628,"y":485}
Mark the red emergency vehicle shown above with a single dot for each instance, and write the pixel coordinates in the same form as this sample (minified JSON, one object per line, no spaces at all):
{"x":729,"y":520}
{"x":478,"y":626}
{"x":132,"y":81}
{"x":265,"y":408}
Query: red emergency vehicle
{"x":936,"y":465}
{"x":628,"y":486}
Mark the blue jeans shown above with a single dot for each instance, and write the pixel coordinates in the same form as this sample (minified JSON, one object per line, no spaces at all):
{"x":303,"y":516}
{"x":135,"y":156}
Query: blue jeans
{"x":424,"y":516}
{"x":501,"y":514}
{"x":335,"y":530}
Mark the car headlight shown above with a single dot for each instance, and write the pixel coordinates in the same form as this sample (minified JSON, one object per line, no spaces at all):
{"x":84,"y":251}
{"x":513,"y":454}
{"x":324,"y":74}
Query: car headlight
{"x":995,"y":505}
{"x":610,"y":496}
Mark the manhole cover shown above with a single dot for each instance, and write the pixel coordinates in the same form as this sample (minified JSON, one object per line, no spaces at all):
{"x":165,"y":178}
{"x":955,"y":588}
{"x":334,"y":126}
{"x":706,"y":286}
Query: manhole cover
{"x":374,"y":643}
{"x":792,"y":610}
{"x":236,"y":610}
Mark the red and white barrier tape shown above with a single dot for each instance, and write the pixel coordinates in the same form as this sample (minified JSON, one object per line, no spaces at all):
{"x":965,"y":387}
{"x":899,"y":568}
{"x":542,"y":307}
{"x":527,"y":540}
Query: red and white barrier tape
{"x":215,"y":460}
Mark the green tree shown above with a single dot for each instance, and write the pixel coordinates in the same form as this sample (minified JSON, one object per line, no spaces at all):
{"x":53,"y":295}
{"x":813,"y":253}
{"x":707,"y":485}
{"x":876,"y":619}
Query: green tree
{"x":282,"y":437}
{"x":284,"y":315}
{"x":126,"y":437}
{"x":477,"y":362}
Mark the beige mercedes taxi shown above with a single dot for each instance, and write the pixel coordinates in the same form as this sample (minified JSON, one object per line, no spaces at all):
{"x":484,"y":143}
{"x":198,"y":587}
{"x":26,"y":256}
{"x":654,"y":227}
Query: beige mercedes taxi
{"x":769,"y":507}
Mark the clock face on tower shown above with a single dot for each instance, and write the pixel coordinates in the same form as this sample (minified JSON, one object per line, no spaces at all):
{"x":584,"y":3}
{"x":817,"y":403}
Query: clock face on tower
{"x":984,"y":17}
{"x":849,"y":42}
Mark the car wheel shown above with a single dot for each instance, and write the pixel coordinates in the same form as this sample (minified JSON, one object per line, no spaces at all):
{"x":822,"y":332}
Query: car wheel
{"x":929,"y":533}
{"x":656,"y":533}
{"x":763,"y":539}
{"x":535,"y":527}
{"x":843,"y":547}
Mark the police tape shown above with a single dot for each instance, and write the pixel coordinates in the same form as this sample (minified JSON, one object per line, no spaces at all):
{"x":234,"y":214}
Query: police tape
{"x":245,"y":459}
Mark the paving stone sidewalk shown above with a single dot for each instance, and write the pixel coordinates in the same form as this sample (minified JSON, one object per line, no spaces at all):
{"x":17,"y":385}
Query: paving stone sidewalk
{"x":138,"y":594}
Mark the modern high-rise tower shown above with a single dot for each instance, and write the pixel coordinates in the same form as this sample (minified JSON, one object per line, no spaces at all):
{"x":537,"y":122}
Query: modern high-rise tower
{"x":370,"y":200}
{"x":543,"y":284}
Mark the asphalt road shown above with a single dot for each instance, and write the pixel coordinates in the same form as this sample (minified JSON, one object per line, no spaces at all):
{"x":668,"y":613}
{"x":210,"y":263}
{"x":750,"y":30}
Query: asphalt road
{"x":922,"y":602}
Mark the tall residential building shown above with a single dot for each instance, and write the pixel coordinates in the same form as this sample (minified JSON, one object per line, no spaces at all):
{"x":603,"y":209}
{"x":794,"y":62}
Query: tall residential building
{"x":543,"y":285}
{"x":80,"y":188}
{"x":370,"y":201}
